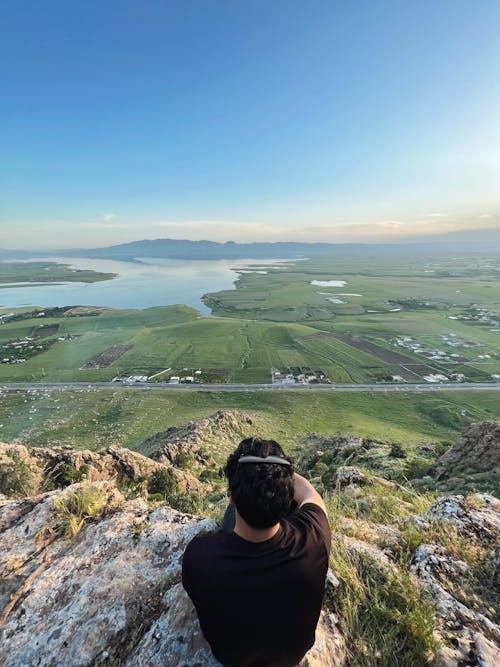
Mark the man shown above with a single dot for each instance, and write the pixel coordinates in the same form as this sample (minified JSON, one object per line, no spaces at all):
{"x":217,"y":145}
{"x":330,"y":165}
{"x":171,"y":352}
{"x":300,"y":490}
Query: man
{"x":258,"y":589}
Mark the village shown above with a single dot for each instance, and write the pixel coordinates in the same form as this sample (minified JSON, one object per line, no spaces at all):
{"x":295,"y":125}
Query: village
{"x":434,"y":354}
{"x":20,"y":350}
{"x":298,"y":375}
{"x":478,"y":315}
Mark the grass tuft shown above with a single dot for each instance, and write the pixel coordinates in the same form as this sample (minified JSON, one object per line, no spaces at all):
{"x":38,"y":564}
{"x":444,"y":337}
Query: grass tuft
{"x":75,"y":508}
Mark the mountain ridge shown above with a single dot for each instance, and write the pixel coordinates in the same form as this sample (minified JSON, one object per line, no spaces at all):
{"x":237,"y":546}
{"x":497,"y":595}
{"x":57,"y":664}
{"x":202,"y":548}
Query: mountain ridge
{"x":464,"y":241}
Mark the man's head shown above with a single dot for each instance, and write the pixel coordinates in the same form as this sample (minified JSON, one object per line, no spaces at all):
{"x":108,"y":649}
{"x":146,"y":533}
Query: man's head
{"x":262,"y":492}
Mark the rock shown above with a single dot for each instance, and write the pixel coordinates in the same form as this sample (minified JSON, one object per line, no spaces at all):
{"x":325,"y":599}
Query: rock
{"x":110,"y":595}
{"x":329,"y":649}
{"x":352,"y":476}
{"x":474,"y":635}
{"x":340,"y":448}
{"x":62,"y":466}
{"x":447,"y":580}
{"x":112,"y":577}
{"x":377,"y":556}
{"x":173,"y":452}
{"x":473,"y":650}
{"x":476,"y":516}
{"x":478,"y":449}
{"x":207,"y":440}
{"x":348,"y":475}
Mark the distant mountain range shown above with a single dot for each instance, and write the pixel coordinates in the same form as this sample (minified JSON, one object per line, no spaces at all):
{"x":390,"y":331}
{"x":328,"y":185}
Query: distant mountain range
{"x":461,"y":242}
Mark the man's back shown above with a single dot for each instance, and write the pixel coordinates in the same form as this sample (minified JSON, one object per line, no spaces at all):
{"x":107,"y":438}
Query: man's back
{"x":259,"y":602}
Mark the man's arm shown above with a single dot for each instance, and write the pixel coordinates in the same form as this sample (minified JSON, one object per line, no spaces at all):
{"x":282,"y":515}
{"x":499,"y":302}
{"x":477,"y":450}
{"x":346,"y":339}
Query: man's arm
{"x":304,"y":492}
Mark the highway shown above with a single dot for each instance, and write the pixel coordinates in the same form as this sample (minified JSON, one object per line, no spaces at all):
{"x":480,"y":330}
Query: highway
{"x":145,"y":386}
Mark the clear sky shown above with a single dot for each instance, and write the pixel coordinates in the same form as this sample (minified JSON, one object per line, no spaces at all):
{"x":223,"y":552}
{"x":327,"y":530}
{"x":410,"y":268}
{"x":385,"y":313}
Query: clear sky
{"x":247,"y":120}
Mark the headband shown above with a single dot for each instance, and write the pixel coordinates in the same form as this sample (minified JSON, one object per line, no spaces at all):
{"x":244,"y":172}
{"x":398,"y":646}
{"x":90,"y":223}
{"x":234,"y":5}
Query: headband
{"x":260,"y":459}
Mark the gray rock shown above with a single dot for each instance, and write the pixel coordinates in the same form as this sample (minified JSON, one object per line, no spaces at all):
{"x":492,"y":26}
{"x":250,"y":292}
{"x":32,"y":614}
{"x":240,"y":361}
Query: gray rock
{"x":478,"y":449}
{"x":475,"y":637}
{"x":46,"y":463}
{"x":111,"y":594}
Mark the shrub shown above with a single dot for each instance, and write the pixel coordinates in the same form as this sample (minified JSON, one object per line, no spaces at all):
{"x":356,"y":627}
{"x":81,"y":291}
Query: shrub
{"x":162,"y":482}
{"x":189,"y":503}
{"x":16,"y":478}
{"x":417,"y":467}
{"x":183,"y":460}
{"x":58,"y":475}
{"x":397,"y":451}
{"x":209,"y":475}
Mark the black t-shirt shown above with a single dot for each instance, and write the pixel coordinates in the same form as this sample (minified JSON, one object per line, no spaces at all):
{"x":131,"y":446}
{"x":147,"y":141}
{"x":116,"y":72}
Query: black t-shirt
{"x":259,"y":602}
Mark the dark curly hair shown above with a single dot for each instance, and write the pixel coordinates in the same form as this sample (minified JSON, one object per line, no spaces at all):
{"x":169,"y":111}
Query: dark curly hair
{"x":262,"y":492}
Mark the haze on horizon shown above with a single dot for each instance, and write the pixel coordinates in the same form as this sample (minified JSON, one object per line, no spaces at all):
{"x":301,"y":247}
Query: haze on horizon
{"x":247,"y":121}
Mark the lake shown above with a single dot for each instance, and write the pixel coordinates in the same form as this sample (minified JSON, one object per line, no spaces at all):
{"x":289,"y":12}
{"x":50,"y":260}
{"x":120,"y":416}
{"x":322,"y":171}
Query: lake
{"x":152,"y":282}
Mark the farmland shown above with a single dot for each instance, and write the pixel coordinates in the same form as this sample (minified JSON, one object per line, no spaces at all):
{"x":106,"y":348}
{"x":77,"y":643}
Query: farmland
{"x":358,"y":320}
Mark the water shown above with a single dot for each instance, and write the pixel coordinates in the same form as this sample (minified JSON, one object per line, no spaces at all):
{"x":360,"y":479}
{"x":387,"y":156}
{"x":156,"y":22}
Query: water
{"x":154,"y":282}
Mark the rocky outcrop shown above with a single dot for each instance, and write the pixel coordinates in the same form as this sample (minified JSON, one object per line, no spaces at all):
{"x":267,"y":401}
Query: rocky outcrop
{"x":319,"y":452}
{"x":460,"y":589}
{"x":474,"y":458}
{"x":42,"y":468}
{"x":183,"y":454}
{"x":340,"y":448}
{"x":109,"y":595}
{"x":213,"y":437}
{"x":352,"y":476}
{"x":453,"y":556}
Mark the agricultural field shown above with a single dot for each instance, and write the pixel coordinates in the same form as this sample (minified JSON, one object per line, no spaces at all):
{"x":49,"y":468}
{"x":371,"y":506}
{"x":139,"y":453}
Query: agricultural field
{"x":356,"y":319}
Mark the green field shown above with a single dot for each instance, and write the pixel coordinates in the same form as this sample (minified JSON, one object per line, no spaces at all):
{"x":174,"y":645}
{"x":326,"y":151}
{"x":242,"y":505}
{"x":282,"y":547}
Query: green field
{"x":279,"y":319}
{"x":273,"y":320}
{"x":93,"y":418}
{"x":47,"y":272}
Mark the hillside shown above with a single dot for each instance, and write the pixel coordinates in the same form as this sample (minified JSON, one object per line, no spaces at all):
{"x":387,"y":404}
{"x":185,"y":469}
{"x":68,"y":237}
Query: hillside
{"x":93,"y":539}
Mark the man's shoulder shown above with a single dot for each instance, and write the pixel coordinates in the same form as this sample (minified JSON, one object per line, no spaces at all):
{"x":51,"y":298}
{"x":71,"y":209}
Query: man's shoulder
{"x":204,"y":544}
{"x":205,"y":538}
{"x":311,"y":518}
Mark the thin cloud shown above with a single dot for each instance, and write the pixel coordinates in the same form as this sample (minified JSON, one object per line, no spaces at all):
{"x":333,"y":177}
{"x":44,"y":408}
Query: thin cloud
{"x":107,"y":217}
{"x":486,"y":215}
{"x":437,"y":215}
{"x":391,"y":224}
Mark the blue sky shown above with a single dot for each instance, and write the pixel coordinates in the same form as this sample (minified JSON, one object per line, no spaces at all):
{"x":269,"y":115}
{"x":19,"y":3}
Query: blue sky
{"x":247,"y":119}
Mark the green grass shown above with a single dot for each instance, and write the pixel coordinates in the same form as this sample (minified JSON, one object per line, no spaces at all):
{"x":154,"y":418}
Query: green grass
{"x":385,"y":621}
{"x":267,"y":316}
{"x":380,"y":503}
{"x":47,"y":272}
{"x":76,"y":507}
{"x":97,"y":418}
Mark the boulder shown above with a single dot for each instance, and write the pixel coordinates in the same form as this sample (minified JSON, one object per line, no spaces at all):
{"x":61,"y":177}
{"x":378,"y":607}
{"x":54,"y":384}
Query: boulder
{"x":477,"y":450}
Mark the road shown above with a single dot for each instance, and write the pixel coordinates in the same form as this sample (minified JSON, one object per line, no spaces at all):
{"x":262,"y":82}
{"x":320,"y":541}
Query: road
{"x":144,"y":386}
